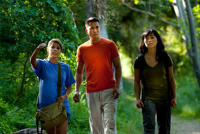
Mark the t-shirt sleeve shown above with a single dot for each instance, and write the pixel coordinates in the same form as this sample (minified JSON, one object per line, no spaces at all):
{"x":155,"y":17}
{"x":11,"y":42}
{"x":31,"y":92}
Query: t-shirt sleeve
{"x":169,"y":61}
{"x":137,"y":64}
{"x":70,"y":78}
{"x":79,"y":55}
{"x":38,"y":70}
{"x":114,"y":50}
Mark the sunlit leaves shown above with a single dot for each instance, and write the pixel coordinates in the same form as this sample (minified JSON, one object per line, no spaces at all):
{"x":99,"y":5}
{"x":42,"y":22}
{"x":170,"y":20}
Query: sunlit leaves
{"x":196,"y":11}
{"x":136,"y":1}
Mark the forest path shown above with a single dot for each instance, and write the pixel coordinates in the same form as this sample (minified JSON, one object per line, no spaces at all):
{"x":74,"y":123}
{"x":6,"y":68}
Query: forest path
{"x":183,"y":126}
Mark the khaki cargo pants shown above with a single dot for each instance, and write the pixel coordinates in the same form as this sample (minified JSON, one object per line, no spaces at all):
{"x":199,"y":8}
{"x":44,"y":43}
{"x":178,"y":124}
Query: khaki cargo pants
{"x":102,"y":112}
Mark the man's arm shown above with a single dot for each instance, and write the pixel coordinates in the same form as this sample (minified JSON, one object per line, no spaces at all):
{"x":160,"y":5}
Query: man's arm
{"x":78,"y":78}
{"x":118,"y":75}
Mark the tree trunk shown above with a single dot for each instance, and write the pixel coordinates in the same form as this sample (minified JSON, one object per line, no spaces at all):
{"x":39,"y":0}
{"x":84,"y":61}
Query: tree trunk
{"x":20,"y":93}
{"x":189,"y":37}
{"x":89,"y":8}
{"x":195,"y":49}
{"x":181,"y":15}
{"x":101,"y":13}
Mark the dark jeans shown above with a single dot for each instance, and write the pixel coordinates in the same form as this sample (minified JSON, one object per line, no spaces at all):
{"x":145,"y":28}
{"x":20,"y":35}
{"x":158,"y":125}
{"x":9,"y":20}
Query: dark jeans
{"x":163,"y":111}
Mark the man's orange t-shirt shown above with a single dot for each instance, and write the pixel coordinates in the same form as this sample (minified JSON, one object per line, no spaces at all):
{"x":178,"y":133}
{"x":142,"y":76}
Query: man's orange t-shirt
{"x":97,"y":59}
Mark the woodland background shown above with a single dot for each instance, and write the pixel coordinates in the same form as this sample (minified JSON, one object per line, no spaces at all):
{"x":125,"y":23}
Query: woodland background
{"x":27,"y":23}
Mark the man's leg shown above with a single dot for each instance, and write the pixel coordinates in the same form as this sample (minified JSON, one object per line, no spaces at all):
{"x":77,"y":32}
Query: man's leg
{"x":109,"y":111}
{"x":95,"y":113}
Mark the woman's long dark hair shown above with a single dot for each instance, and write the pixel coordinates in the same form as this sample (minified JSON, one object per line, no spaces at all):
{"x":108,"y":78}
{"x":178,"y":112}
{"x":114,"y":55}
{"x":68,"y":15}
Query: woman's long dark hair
{"x":160,"y":49}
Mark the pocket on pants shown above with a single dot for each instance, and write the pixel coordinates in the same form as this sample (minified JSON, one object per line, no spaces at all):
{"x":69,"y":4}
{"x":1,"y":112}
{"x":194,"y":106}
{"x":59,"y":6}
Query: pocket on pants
{"x":146,"y":108}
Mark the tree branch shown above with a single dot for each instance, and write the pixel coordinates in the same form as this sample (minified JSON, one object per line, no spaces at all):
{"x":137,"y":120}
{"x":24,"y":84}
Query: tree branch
{"x":149,"y":13}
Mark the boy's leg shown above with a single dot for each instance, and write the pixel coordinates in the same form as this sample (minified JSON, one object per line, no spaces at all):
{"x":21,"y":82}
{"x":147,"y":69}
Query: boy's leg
{"x":109,"y":111}
{"x":95,"y":113}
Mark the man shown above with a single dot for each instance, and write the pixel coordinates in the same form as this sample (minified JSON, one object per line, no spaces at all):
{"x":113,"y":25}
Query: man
{"x":97,"y":55}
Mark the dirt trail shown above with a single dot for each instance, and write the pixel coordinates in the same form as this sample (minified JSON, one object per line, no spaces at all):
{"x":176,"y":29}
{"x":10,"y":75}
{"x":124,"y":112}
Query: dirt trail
{"x":182,"y":126}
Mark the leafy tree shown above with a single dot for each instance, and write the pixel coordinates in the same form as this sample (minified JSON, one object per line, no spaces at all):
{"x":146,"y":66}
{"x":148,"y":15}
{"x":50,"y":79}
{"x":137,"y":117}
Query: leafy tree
{"x":24,"y":25}
{"x":186,"y":19}
{"x":28,"y":23}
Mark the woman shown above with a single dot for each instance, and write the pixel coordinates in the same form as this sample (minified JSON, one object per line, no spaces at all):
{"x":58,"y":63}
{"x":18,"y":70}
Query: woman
{"x":47,"y":72}
{"x":153,"y":67}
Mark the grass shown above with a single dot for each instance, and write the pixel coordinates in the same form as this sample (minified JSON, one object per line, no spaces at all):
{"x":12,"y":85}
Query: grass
{"x":129,"y":118}
{"x":188,"y":98}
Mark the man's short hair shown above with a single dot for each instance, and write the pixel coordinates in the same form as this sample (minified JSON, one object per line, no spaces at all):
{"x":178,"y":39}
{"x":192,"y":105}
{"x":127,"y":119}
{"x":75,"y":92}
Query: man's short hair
{"x":91,"y":19}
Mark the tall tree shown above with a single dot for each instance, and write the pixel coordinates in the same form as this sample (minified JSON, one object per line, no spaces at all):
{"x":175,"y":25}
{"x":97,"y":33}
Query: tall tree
{"x":98,"y":8}
{"x":190,"y":37}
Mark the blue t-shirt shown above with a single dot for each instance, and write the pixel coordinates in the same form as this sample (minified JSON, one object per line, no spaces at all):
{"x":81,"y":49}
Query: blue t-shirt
{"x":47,"y":73}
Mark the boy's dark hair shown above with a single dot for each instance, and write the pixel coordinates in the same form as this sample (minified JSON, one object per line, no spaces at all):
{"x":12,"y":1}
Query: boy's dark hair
{"x":91,"y":19}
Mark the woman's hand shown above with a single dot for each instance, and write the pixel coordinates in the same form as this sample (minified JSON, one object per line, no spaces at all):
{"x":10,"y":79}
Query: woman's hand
{"x":42,"y":45}
{"x":139,"y":104}
{"x":61,"y":98}
{"x":173,"y":103}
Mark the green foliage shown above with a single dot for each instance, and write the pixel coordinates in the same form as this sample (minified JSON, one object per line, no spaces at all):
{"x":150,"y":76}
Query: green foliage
{"x":29,"y":24}
{"x":79,"y":118}
{"x":33,"y":22}
{"x":78,"y":9}
{"x":188,"y":97}
{"x":3,"y":107}
{"x":175,"y":46}
{"x":129,"y":118}
{"x":24,"y":25}
{"x":196,"y":10}
{"x":13,"y":118}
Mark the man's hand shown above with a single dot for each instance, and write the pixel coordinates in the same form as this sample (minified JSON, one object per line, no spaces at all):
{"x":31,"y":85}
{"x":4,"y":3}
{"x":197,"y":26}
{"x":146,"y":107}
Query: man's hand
{"x":76,"y":97}
{"x":115,"y":93}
